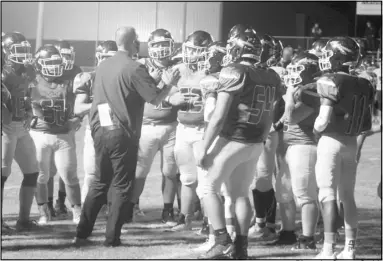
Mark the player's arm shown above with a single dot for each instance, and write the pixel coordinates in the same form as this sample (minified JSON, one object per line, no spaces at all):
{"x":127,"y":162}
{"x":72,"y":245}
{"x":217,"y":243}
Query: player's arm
{"x":297,"y":113}
{"x":209,"y":86}
{"x":81,"y":88}
{"x":324,"y":116}
{"x":230,"y":82}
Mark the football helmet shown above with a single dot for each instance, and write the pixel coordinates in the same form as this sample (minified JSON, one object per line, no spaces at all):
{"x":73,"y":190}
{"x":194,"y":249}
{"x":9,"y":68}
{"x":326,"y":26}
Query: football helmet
{"x":317,"y":46}
{"x":17,"y":48}
{"x":49,"y":62}
{"x":272,"y":50}
{"x":195,"y":48}
{"x":340,"y":54}
{"x":215,"y":53}
{"x":105,"y":50}
{"x":302,"y":69}
{"x":243,"y":43}
{"x":67,"y":53}
{"x":160,"y":44}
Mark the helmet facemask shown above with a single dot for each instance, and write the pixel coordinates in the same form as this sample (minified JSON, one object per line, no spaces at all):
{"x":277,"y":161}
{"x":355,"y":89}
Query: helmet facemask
{"x":194,"y":55}
{"x":161,"y":48}
{"x":103,"y":56}
{"x":20,"y":53}
{"x":293,"y":76}
{"x":68,"y":56}
{"x":51,"y":67}
{"x":324,"y":60}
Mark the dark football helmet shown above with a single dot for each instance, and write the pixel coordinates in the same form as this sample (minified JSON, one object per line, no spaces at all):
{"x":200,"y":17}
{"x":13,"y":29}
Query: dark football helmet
{"x":67,"y":53}
{"x":49,"y":62}
{"x":195,"y":48}
{"x":160,"y":44}
{"x":17,"y":48}
{"x":272,"y":50}
{"x":317,"y":46}
{"x":243,"y":43}
{"x":302,"y":69}
{"x":105,"y":50}
{"x":215,"y":53}
{"x":339,"y":54}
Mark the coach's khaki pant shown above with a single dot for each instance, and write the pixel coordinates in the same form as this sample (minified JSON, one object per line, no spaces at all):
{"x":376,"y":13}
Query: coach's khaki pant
{"x":232,"y":163}
{"x":17,"y":144}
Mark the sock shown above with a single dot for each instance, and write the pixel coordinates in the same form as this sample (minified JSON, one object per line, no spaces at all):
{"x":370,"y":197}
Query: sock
{"x":230,"y":225}
{"x":328,"y":248}
{"x":350,"y":242}
{"x":62,"y":197}
{"x":168,"y":206}
{"x":221,"y":236}
{"x":261,"y":222}
{"x":262,"y":202}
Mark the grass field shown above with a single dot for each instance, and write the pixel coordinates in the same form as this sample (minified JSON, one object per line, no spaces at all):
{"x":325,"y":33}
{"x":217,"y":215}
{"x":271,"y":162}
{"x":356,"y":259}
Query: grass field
{"x":148,"y":240}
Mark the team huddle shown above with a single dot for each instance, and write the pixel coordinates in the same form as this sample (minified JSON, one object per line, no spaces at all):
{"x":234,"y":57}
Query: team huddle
{"x":238,"y":117}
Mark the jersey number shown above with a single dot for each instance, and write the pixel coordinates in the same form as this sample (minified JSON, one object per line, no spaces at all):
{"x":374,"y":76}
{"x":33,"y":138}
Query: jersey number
{"x":54,"y":111}
{"x":356,"y":119}
{"x":194,"y":95}
{"x":262,"y":101}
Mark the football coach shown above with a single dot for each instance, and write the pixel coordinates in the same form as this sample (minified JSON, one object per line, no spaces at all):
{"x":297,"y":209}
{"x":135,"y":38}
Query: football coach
{"x":121,"y":88}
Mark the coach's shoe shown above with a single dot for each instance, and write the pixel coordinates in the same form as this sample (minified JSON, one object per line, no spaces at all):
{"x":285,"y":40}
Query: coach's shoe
{"x":346,"y":254}
{"x":305,"y":243}
{"x":219,"y":251}
{"x":184,"y":223}
{"x":168,"y":217}
{"x":45,"y":216}
{"x":258,"y":233}
{"x":204,"y":247}
{"x":29,"y":225}
{"x":78,"y":242}
{"x":76,"y":210}
{"x":61,"y":210}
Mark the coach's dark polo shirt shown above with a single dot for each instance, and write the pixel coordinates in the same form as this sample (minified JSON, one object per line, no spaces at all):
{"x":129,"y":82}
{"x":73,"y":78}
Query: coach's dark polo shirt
{"x":127,"y":85}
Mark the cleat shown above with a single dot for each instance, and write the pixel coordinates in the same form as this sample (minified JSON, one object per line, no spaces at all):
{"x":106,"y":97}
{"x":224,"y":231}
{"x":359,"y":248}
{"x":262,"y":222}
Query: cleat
{"x":323,"y":255}
{"x":219,"y":251}
{"x":204,"y":247}
{"x":29,"y":225}
{"x":346,"y":254}
{"x":51,"y":209}
{"x":168,"y":217}
{"x":183,"y":224}
{"x":61,"y":210}
{"x":78,"y":242}
{"x":76,"y":210}
{"x":285,"y":238}
{"x":45,"y":216}
{"x":305,"y":243}
{"x":257,"y":233}
{"x":204,"y":230}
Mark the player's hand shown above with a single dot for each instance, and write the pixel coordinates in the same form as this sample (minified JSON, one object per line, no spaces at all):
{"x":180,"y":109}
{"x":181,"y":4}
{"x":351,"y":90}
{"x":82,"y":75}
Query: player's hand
{"x":171,"y":76}
{"x":27,"y":120}
{"x":74,"y":123}
{"x":177,"y":99}
{"x":155,"y":74}
{"x":200,"y":154}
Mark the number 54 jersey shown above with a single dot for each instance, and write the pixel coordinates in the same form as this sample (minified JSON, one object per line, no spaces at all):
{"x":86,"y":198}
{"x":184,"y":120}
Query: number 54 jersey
{"x":352,"y":97}
{"x":52,"y":104}
{"x":251,"y":113}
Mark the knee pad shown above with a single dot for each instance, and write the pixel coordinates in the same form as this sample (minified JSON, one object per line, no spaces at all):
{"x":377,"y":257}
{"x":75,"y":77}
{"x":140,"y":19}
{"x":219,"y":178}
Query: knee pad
{"x":301,"y":201}
{"x":263,"y":181}
{"x":326,"y":194}
{"x":42,"y":178}
{"x":188,"y":180}
{"x":30,"y":180}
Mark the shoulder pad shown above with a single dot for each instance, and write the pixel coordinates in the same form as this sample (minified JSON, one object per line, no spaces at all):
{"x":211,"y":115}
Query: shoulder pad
{"x":82,"y":81}
{"x":327,"y":88}
{"x":209,"y":84}
{"x":231,"y":79}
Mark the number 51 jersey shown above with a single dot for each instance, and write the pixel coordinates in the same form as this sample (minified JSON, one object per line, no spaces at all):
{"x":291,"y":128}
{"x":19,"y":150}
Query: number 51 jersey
{"x":52,"y":104}
{"x":251,"y":113}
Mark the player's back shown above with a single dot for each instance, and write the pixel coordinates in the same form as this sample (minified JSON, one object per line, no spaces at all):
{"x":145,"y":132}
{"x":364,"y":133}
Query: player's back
{"x":352,"y":97}
{"x":255,"y":91}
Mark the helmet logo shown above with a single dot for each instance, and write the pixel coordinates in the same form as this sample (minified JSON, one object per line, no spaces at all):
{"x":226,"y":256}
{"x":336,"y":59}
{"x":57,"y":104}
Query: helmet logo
{"x":337,"y":45}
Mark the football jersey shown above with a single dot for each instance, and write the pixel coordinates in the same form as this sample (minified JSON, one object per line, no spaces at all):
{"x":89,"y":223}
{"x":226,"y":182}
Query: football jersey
{"x":52,"y":104}
{"x":302,"y":132}
{"x":162,"y":113}
{"x":189,"y":85}
{"x":251,"y":113}
{"x":18,"y":88}
{"x":352,"y":97}
{"x":209,"y":85}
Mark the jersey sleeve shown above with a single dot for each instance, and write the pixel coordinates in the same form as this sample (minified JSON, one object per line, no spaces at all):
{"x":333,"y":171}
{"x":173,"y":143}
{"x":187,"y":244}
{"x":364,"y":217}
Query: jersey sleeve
{"x":209,"y":85}
{"x":327,"y":88}
{"x":231,"y":80}
{"x":82,"y":83}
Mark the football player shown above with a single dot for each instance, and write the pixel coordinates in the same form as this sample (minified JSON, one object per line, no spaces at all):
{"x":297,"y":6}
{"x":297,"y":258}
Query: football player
{"x":345,"y":112}
{"x":190,"y":128}
{"x":17,"y":144}
{"x":317,"y":47}
{"x":70,"y":72}
{"x":297,"y":151}
{"x":82,"y":88}
{"x":159,"y":126}
{"x":242,"y":120}
{"x":263,"y":192}
{"x":51,"y":129}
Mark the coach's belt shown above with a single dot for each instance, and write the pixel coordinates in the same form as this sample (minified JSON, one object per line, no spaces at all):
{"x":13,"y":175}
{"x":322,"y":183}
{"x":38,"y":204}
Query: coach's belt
{"x":111,"y":127}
